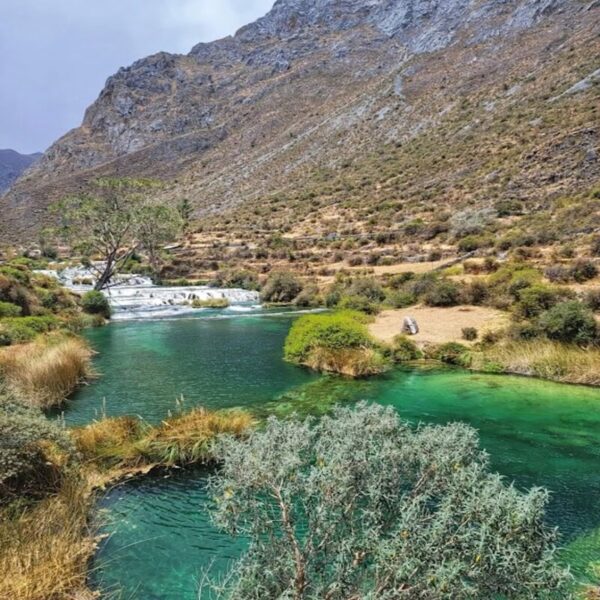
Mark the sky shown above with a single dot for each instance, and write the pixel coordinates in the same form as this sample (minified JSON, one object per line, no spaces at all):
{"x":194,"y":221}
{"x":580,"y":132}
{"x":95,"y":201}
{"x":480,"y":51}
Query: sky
{"x":55,"y":55}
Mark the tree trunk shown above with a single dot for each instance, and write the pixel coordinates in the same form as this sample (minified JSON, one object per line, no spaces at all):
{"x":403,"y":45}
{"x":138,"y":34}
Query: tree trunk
{"x":106,"y":274}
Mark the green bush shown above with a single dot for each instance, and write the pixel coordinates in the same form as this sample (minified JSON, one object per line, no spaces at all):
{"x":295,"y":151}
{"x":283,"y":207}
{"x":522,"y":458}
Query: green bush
{"x":336,"y":331}
{"x":470,"y":334}
{"x":238,"y":278}
{"x":281,"y":287}
{"x":368,"y":288}
{"x":26,"y":466}
{"x":592,"y":299}
{"x":8,"y":309}
{"x":309,"y":297}
{"x":472,"y":243}
{"x":535,"y":299}
{"x":24,"y":329}
{"x":401,"y":299}
{"x":95,"y":303}
{"x":452,"y":353}
{"x":570,"y":322}
{"x":404,"y":350}
{"x":583,"y":270}
{"x":443,"y":293}
{"x":358,"y":303}
{"x":17,"y":273}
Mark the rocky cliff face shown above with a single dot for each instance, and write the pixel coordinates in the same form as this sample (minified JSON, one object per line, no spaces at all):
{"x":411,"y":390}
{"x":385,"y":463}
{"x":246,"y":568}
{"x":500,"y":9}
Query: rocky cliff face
{"x":12,"y":165}
{"x":314,"y":83}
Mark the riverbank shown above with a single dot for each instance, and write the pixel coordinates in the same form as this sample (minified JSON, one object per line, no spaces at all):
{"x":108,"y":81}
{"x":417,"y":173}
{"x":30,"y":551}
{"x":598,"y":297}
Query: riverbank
{"x":490,"y":350}
{"x":47,"y":543}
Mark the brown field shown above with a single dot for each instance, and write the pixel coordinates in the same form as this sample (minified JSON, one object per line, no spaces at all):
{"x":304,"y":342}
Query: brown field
{"x":438,"y":325}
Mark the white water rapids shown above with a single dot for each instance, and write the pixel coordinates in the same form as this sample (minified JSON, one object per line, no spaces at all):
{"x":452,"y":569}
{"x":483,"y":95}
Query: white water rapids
{"x":135,"y":297}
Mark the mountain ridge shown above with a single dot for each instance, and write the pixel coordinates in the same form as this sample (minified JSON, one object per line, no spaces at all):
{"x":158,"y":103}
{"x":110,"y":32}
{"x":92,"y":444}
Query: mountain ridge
{"x":283,"y":88}
{"x":12,"y":165}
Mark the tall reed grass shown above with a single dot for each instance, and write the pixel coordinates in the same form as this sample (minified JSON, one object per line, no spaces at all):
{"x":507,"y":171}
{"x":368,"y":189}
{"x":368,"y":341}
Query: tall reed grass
{"x":180,"y":440}
{"x":45,"y":372}
{"x":45,"y":549}
{"x":544,"y":359}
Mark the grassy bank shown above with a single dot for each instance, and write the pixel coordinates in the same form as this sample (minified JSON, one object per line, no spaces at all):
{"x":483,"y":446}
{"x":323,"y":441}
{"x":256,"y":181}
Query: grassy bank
{"x":45,"y":547}
{"x":46,"y":542}
{"x":46,"y":371}
{"x":542,"y":358}
{"x":183,"y":440}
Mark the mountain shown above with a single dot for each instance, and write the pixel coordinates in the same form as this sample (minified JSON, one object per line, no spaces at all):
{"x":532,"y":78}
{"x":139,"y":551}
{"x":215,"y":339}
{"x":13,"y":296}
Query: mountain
{"x":12,"y":165}
{"x":331,"y":114}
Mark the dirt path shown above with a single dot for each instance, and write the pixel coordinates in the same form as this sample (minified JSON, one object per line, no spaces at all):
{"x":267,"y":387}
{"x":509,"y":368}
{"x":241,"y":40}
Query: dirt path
{"x":438,"y":325}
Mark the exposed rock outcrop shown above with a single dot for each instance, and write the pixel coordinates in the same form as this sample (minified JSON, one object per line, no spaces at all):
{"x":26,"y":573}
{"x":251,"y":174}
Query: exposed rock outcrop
{"x":311,"y":83}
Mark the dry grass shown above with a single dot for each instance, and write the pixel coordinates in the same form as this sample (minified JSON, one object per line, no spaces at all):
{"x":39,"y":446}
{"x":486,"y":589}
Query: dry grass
{"x":45,"y":372}
{"x":181,"y":440}
{"x":352,"y":362}
{"x":545,"y":359}
{"x":45,"y":549}
{"x":186,"y":439}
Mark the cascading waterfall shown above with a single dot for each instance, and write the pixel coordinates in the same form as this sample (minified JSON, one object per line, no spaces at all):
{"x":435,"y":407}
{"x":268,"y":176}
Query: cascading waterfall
{"x":137,"y":302}
{"x":136,"y":297}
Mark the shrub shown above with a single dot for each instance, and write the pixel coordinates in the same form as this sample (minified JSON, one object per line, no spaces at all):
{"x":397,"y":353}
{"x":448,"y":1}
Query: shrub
{"x":338,"y":342}
{"x":27,"y":465}
{"x":95,"y":303}
{"x":470,"y":334}
{"x":476,"y":293}
{"x":472,"y":243}
{"x":404,"y":350}
{"x":570,"y":322}
{"x":536,"y":299}
{"x":401,"y":299}
{"x":368,"y":288}
{"x":309,"y":297}
{"x":281,"y":287}
{"x":239,"y":278}
{"x":525,"y":331}
{"x":558,"y":274}
{"x":452,"y":353}
{"x":592,"y":299}
{"x":397,"y":281}
{"x":381,"y":502}
{"x":356,"y":261}
{"x":358,"y":303}
{"x":443,"y":293}
{"x":8,"y":309}
{"x":583,"y":270}
{"x":422,"y":284}
{"x":24,"y":329}
{"x":595,"y":246}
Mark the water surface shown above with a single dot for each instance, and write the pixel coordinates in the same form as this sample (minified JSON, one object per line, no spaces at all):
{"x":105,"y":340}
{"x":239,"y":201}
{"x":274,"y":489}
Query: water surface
{"x":536,"y":432}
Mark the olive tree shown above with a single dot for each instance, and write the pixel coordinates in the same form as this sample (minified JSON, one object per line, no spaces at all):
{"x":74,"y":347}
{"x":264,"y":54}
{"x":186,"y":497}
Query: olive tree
{"x":358,"y":505}
{"x":114,"y":221}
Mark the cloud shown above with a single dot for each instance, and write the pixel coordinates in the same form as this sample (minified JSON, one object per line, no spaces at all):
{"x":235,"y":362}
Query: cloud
{"x":55,"y":55}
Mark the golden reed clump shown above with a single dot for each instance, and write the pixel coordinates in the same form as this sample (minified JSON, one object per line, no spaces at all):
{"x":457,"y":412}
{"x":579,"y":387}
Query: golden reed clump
{"x":45,"y":372}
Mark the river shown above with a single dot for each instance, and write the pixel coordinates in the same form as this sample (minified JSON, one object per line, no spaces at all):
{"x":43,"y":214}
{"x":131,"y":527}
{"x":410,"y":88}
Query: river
{"x":161,"y":538}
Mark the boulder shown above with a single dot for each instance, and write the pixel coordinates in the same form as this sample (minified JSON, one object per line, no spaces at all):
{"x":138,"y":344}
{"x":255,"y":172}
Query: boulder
{"x":410,"y":326}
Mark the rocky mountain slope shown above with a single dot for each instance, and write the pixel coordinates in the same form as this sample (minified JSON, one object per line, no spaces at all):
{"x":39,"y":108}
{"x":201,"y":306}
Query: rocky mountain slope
{"x":12,"y":165}
{"x":346,"y":111}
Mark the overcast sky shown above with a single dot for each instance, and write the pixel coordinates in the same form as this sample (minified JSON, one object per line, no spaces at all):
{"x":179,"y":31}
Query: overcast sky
{"x":55,"y":55}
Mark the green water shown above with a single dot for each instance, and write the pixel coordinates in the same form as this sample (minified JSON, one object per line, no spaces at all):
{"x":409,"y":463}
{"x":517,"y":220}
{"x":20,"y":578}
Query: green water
{"x":537,"y":433}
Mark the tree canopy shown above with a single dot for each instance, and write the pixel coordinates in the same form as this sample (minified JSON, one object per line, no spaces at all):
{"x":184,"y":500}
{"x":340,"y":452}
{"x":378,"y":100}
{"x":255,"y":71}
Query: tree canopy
{"x":116,"y":219}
